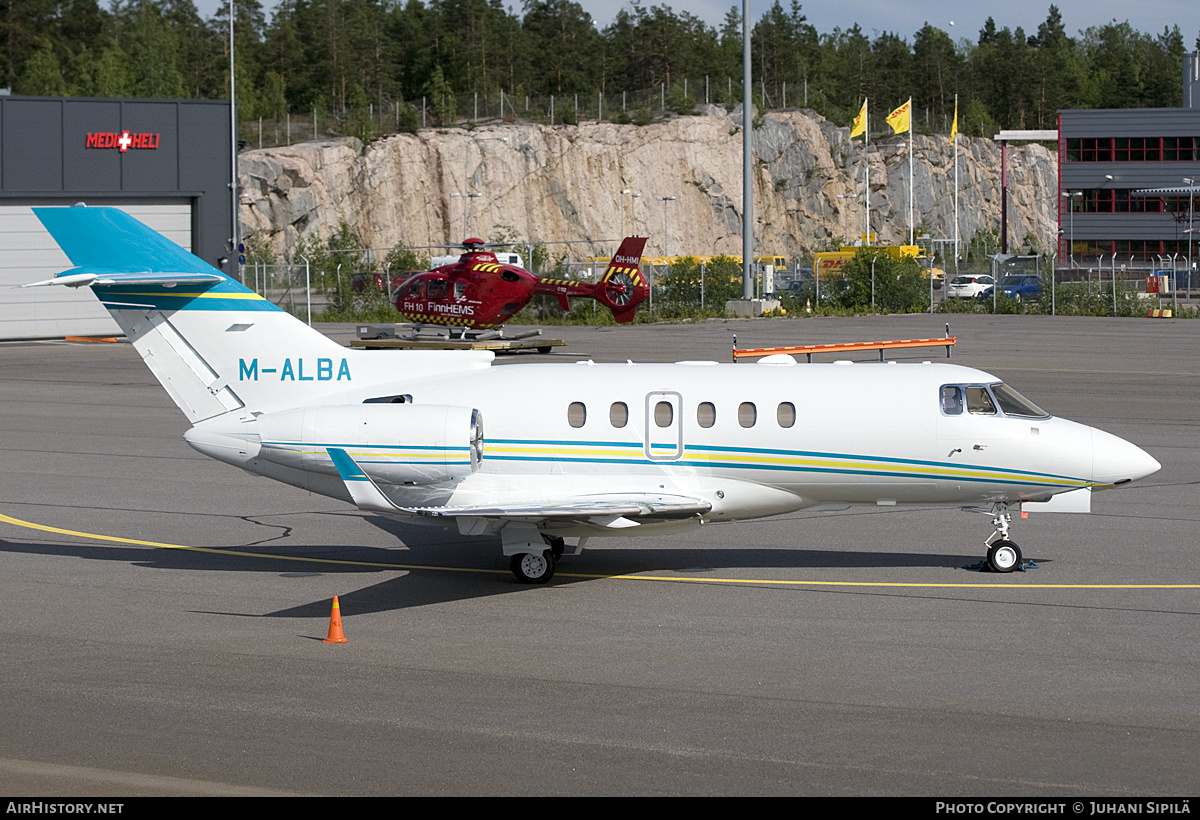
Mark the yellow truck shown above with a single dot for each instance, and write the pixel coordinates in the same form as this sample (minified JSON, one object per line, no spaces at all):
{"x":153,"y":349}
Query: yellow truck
{"x":828,"y":264}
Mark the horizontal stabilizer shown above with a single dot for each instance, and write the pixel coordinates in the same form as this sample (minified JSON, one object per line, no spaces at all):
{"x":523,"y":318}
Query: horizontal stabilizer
{"x":85,"y":277}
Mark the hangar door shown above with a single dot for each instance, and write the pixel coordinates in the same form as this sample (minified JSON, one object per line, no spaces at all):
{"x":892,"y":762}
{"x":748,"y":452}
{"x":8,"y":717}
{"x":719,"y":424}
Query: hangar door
{"x":28,"y":254}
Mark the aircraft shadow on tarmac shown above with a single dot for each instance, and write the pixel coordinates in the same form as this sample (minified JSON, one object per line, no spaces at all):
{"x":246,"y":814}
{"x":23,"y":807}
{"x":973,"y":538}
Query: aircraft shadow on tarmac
{"x":444,"y":551}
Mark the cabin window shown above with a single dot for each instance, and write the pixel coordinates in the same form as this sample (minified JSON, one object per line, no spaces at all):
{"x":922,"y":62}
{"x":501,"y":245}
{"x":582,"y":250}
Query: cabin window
{"x":437,"y":288}
{"x":664,"y":414}
{"x":460,"y":290}
{"x":706,"y":414}
{"x":416,"y":290}
{"x":576,"y":414}
{"x":618,"y":414}
{"x":747,"y":414}
{"x":952,"y":400}
{"x":979,"y":402}
{"x":785,"y":414}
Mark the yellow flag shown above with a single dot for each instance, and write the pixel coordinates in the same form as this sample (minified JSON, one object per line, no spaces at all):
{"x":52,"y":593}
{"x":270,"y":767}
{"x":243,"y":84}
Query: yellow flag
{"x":900,"y":118}
{"x":860,"y":122}
{"x":954,"y":127}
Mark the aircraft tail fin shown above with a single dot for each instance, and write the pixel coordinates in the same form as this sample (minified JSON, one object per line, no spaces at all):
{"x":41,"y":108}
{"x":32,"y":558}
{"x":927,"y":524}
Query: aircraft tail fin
{"x":623,"y":286}
{"x":101,"y":237}
{"x":214,"y":345}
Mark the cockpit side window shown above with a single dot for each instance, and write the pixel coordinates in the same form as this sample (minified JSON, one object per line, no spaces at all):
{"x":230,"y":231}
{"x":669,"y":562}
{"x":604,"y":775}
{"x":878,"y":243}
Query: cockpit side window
{"x":979,"y":402}
{"x":952,"y":400}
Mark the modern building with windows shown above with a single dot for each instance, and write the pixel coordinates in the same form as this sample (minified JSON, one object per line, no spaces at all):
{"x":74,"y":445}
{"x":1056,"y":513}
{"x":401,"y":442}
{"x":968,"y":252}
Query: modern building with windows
{"x":1108,"y":159}
{"x":166,"y":162}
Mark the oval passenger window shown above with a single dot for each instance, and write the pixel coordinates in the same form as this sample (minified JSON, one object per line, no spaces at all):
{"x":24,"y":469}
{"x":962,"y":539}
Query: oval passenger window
{"x":576,"y":414}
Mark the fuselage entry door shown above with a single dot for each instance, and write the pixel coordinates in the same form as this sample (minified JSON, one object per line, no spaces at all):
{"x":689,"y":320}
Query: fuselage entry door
{"x":664,"y":426}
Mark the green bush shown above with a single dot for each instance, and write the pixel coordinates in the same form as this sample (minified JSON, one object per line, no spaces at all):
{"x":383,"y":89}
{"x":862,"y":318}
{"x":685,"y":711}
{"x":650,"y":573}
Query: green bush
{"x":899,"y":284}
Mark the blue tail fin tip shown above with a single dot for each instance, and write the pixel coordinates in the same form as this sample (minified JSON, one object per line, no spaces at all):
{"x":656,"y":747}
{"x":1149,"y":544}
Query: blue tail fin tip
{"x":111,"y":239}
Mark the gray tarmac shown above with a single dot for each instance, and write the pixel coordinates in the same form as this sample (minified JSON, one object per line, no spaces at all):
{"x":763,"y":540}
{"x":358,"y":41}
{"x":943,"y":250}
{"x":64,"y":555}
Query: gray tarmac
{"x":187,"y":659}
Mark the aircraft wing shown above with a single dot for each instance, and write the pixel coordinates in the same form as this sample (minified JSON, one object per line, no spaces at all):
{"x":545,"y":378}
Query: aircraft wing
{"x":609,"y":510}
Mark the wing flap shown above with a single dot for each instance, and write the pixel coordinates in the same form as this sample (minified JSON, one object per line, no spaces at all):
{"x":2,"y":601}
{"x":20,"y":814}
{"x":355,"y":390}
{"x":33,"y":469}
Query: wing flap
{"x":627,"y":505}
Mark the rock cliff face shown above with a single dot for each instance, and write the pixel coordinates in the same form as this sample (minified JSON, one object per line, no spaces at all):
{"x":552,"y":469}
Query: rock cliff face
{"x":562,"y":183}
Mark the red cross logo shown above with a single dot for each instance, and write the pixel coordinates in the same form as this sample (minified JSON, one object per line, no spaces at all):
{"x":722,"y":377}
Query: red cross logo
{"x":124,"y":142}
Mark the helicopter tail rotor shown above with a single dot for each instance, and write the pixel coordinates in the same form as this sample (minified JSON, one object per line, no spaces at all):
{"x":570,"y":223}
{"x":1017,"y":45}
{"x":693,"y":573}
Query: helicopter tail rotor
{"x":623,"y":287}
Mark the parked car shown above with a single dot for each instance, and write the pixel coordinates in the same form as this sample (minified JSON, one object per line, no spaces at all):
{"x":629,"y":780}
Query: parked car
{"x":968,"y":285}
{"x":360,"y":281}
{"x":1022,"y":287}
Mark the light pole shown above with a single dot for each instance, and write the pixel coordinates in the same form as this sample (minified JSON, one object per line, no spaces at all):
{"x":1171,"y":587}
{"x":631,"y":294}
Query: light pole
{"x":1071,"y":239}
{"x":466,"y":226}
{"x":632,"y":219}
{"x":450,"y":238}
{"x":666,"y":236}
{"x":467,"y":177}
{"x":467,"y":215}
{"x":1191,"y":214}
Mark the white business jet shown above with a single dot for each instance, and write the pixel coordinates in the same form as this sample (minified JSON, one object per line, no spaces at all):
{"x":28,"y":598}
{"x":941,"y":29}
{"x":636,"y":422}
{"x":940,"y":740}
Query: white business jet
{"x":573,"y":450}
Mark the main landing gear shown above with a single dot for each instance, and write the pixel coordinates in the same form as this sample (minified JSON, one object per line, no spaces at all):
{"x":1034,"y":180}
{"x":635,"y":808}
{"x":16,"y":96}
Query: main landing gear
{"x":1002,"y":555}
{"x":533,"y":567}
{"x":536,"y":567}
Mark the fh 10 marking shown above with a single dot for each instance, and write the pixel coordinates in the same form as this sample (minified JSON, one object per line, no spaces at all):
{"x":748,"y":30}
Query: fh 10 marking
{"x":294,"y":372}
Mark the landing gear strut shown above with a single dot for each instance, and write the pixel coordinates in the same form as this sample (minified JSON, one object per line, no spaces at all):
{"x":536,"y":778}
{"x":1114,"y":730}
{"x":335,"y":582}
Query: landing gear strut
{"x":1002,"y":555}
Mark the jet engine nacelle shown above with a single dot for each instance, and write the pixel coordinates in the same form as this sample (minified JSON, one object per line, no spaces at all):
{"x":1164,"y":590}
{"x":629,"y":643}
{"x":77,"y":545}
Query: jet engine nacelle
{"x":391,"y":443}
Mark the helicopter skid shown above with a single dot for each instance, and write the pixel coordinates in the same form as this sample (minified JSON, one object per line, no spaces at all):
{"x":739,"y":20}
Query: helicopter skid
{"x":441,"y":337}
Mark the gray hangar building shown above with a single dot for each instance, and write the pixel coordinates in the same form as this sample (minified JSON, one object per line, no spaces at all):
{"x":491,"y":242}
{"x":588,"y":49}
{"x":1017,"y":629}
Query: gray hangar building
{"x":166,"y":162}
{"x":1128,"y":180}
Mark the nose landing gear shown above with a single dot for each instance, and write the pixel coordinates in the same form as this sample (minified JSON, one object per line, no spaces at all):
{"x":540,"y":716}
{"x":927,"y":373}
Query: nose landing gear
{"x":1003,"y":555}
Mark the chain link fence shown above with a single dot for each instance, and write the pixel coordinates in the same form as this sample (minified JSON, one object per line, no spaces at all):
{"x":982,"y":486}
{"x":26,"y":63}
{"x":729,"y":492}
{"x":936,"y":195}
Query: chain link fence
{"x":384,"y":115}
{"x":286,"y":286}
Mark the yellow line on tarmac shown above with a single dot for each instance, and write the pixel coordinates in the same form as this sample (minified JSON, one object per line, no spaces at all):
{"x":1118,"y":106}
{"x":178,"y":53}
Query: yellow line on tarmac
{"x":16,"y":522}
{"x":909,"y":584}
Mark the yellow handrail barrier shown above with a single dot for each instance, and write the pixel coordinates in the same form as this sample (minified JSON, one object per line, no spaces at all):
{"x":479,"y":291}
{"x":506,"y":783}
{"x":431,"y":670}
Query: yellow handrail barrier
{"x":850,"y":347}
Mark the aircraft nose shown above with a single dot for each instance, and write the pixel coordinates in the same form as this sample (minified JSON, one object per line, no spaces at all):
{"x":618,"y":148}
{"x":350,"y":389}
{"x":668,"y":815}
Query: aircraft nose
{"x":1117,"y":461}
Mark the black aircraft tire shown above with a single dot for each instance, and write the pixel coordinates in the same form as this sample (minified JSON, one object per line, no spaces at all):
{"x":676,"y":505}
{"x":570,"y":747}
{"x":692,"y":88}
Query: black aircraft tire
{"x":1004,"y":556}
{"x":532,"y":567}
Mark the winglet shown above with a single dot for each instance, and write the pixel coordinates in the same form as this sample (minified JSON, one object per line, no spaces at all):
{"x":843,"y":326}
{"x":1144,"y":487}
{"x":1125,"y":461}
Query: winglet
{"x":366,"y":495}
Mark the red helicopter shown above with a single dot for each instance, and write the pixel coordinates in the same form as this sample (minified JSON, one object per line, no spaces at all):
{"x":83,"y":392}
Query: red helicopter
{"x":479,"y":292}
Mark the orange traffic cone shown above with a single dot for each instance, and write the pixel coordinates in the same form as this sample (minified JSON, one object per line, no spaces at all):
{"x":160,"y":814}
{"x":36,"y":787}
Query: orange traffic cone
{"x":335,"y":624}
